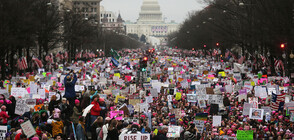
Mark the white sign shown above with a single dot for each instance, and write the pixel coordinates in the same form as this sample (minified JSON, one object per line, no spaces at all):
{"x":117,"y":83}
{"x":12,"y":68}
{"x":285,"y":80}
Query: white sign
{"x":174,"y":131}
{"x":256,"y":113}
{"x":21,"y":107}
{"x":191,"y":98}
{"x":217,"y":120}
{"x":16,"y":92}
{"x":135,"y":137}
{"x":3,"y":131}
{"x":132,"y":88}
{"x":42,"y":93}
{"x":28,"y":128}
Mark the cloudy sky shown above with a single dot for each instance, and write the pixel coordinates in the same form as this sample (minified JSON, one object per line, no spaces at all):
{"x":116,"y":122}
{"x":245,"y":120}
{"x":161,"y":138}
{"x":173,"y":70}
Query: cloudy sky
{"x":171,"y":9}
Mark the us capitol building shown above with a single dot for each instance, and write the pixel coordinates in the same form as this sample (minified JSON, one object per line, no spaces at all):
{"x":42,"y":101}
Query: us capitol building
{"x":151,"y":24}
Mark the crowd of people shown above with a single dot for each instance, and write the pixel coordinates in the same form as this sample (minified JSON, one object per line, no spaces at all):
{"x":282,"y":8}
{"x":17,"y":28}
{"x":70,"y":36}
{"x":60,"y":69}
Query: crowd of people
{"x":176,"y":98}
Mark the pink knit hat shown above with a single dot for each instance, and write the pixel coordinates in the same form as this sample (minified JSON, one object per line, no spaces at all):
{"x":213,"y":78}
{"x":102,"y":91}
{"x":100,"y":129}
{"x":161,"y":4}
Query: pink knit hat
{"x":77,"y":101}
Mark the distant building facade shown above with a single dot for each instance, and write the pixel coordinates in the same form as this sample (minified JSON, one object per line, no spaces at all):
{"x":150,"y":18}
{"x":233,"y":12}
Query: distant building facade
{"x":88,"y":8}
{"x":110,"y":22}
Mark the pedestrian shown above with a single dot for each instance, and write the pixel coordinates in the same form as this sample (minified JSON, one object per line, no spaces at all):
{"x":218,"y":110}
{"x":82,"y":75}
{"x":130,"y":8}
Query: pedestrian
{"x":69,"y":82}
{"x":95,"y":110}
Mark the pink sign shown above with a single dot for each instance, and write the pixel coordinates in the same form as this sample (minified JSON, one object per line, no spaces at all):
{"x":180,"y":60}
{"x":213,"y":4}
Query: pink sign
{"x":117,"y":114}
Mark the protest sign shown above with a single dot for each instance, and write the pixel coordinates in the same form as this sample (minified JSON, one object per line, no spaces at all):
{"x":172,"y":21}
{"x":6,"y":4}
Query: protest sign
{"x":246,"y":108}
{"x":245,"y":134}
{"x":135,"y":103}
{"x":3,"y":131}
{"x":216,"y":120}
{"x":199,"y":125}
{"x":87,"y":109}
{"x":18,"y":92}
{"x":135,"y":137}
{"x":132,"y":88}
{"x":177,"y":112}
{"x":260,"y":91}
{"x":201,"y":116}
{"x":28,"y":128}
{"x":31,"y":102}
{"x":191,"y":98}
{"x":154,"y":92}
{"x":173,"y":131}
{"x":209,"y":90}
{"x":254,"y":101}
{"x":118,"y":115}
{"x":266,"y":109}
{"x":21,"y":107}
{"x":256,"y":113}
{"x":201,"y":103}
{"x":33,"y":88}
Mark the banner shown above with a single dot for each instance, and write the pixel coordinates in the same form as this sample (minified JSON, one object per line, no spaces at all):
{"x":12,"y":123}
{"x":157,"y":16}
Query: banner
{"x":135,"y":137}
{"x":87,"y":109}
{"x":16,"y":92}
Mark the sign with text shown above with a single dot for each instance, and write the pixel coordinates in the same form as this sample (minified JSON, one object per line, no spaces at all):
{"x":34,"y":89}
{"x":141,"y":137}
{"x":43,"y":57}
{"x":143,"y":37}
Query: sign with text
{"x":135,"y":137}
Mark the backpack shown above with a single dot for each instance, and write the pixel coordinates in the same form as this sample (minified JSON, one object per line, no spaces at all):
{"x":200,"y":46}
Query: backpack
{"x":100,"y":133}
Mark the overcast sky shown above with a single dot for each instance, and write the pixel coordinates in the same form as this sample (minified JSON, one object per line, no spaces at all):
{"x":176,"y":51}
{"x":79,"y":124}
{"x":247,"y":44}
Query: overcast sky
{"x":171,"y":9}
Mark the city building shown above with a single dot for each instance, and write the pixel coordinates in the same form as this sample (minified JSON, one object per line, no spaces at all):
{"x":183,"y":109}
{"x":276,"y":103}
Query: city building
{"x":110,"y":22}
{"x":89,"y":8}
{"x":151,"y":24}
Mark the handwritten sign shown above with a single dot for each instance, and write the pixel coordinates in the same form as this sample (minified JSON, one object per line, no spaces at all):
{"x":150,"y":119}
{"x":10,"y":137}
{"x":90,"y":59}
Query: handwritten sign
{"x":117,"y":114}
{"x":16,"y":92}
{"x":21,"y":107}
{"x":245,"y":135}
{"x":28,"y":128}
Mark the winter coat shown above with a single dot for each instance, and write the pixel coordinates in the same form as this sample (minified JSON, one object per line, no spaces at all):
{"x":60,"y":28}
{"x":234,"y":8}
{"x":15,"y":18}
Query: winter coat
{"x":95,"y":110}
{"x":70,"y":87}
{"x":4,"y":116}
{"x":75,"y":115}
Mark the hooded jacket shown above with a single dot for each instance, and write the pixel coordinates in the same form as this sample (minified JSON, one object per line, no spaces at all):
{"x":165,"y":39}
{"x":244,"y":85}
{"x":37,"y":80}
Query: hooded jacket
{"x":70,"y":87}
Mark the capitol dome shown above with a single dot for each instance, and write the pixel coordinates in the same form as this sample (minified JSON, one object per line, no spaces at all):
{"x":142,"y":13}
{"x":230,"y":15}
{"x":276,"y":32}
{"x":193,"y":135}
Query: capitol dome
{"x":150,"y":12}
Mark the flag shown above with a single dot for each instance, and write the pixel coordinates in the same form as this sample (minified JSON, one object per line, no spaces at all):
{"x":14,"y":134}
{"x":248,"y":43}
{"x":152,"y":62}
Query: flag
{"x":277,"y":101}
{"x":22,"y":63}
{"x":263,"y":59}
{"x":38,"y":62}
{"x":114,"y":54}
{"x":241,"y":59}
{"x":114,"y":61}
{"x":227,"y":54}
{"x":278,"y":64}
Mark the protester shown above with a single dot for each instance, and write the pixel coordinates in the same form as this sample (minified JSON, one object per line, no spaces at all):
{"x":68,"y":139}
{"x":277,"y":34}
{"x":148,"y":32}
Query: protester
{"x":177,"y":98}
{"x":81,"y":132}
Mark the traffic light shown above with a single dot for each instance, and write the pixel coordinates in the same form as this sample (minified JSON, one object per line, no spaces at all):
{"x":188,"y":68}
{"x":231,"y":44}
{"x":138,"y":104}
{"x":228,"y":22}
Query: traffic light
{"x":283,"y":46}
{"x":143,"y":63}
{"x":217,"y":44}
{"x":204,"y":46}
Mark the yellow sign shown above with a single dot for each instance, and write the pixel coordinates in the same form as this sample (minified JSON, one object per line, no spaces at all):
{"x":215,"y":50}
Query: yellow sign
{"x":178,"y":96}
{"x":118,"y":97}
{"x":117,"y":75}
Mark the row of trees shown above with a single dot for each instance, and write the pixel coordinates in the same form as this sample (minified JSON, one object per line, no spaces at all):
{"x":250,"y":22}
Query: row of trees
{"x":256,"y":26}
{"x":35,"y":27}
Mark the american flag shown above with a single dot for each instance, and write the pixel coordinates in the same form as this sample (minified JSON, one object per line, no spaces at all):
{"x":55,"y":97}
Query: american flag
{"x":277,"y":101}
{"x":208,"y":52}
{"x":278,"y":64}
{"x":22,"y":63}
{"x":241,"y":59}
{"x":38,"y":62}
{"x":263,"y":59}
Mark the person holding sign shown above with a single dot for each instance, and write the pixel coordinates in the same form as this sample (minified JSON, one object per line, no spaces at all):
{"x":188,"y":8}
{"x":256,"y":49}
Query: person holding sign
{"x":95,"y":110}
{"x":69,"y":82}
